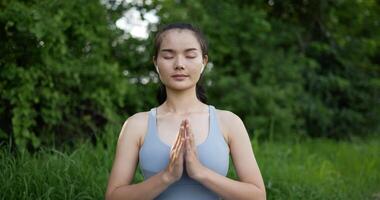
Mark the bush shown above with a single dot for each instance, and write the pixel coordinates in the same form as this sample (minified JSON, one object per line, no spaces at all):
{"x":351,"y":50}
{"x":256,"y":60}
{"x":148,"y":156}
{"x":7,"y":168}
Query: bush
{"x":58,"y":78}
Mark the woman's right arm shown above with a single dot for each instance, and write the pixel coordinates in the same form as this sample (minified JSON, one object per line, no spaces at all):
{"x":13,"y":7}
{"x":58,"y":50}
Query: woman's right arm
{"x":125,"y":162}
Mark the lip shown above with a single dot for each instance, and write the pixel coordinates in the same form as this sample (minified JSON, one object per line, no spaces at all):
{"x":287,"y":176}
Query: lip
{"x":179,"y":77}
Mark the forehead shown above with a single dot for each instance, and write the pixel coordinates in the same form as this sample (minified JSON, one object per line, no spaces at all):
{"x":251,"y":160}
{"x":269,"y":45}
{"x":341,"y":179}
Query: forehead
{"x":179,"y":39}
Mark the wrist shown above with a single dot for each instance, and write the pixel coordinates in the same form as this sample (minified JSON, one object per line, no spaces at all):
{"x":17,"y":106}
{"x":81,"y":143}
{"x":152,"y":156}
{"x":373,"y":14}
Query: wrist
{"x":166,"y":178}
{"x":201,"y":174}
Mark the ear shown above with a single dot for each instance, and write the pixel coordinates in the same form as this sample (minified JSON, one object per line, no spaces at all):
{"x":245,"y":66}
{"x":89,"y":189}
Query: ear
{"x":158,"y":71}
{"x":155,"y":65}
{"x":203,"y":67}
{"x":154,"y":60}
{"x":204,"y":62}
{"x":205,"y":59}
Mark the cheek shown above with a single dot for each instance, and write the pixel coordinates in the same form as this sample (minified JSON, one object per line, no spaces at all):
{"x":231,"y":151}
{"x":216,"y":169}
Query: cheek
{"x":195,"y":74}
{"x":164,"y":62}
{"x":164,"y":66}
{"x":196,"y":61}
{"x":195,"y":71}
{"x":197,"y":66}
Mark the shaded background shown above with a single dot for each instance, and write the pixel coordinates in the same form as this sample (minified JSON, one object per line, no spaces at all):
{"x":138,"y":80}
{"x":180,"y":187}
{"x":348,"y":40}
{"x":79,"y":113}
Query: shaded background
{"x":292,"y":70}
{"x":285,"y":67}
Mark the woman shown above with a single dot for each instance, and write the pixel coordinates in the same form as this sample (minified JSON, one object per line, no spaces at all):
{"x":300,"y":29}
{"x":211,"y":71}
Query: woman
{"x":195,"y":165}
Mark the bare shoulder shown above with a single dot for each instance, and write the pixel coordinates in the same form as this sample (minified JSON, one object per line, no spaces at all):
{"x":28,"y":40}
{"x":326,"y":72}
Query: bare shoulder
{"x":136,"y":125}
{"x":138,"y":119}
{"x":229,"y":119}
{"x":228,"y":122}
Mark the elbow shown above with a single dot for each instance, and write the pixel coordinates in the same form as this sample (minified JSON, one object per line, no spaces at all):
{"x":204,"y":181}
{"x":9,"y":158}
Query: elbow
{"x":108,"y":196}
{"x":111,"y":196}
{"x":258,"y":193}
{"x":261,"y":194}
{"x":117,"y":194}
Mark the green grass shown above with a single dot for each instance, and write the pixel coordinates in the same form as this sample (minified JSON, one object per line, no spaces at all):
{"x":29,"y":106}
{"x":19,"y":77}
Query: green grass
{"x":311,"y":169}
{"x":321,"y":169}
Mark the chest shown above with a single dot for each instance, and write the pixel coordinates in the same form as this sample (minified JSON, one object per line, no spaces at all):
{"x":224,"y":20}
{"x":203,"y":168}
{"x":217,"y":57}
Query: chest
{"x":212,"y":149}
{"x":168,"y":127}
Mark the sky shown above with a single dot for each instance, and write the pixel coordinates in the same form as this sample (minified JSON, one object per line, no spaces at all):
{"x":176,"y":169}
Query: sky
{"x":132,"y":23}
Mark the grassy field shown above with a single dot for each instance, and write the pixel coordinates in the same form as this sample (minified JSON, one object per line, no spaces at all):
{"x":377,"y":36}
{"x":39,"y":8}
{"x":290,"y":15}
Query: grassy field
{"x":311,"y":169}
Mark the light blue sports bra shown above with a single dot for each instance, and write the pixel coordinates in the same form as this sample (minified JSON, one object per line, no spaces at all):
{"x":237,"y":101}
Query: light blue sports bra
{"x":213,"y":153}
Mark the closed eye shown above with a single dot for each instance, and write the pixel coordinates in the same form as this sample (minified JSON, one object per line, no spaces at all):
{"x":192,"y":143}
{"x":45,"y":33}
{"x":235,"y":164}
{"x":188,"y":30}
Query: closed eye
{"x":191,"y":55}
{"x":168,"y":57}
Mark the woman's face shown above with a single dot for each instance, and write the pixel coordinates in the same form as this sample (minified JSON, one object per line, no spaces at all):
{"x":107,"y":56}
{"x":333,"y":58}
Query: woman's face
{"x":179,"y":59}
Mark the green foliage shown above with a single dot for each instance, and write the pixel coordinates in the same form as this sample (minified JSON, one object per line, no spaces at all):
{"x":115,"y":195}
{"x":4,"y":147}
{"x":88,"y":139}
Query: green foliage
{"x":285,"y":67}
{"x":341,"y":98}
{"x":261,"y":83}
{"x":291,"y":67}
{"x":58,"y":78}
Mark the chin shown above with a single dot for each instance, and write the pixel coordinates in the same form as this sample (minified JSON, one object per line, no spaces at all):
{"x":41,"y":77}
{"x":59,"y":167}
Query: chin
{"x":180,"y":87}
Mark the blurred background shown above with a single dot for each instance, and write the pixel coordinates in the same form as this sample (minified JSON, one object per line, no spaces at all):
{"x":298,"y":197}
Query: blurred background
{"x":302,"y":74}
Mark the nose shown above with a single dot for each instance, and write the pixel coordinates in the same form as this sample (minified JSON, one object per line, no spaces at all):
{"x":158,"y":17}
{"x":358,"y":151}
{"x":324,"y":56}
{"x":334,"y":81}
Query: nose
{"x":179,"y":63}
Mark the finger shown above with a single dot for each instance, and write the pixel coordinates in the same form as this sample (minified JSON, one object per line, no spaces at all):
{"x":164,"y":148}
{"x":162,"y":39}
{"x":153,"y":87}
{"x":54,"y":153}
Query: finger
{"x":188,"y":147}
{"x":187,"y":142}
{"x":183,"y":145}
{"x":179,"y":145}
{"x":190,"y":135}
{"x":186,"y":127}
{"x":179,"y":150}
{"x":182,"y":133}
{"x":174,"y":146}
{"x":178,"y":136}
{"x":192,"y":139}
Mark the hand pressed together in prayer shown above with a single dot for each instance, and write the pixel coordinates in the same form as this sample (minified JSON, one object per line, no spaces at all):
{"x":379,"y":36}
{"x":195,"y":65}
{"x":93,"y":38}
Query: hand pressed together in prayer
{"x":193,"y":165}
{"x":184,"y":150}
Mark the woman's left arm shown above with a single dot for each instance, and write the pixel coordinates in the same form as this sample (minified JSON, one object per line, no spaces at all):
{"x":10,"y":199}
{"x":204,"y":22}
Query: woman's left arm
{"x":250,"y":184}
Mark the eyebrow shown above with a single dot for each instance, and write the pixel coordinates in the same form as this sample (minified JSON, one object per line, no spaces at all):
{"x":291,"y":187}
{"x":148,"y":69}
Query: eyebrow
{"x":171,"y":50}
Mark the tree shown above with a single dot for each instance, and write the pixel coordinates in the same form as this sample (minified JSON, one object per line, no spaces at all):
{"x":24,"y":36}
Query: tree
{"x":58,"y":79}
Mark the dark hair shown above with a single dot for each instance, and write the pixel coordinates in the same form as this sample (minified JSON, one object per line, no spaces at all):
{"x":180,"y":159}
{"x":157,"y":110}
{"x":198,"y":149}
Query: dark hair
{"x":200,"y":91}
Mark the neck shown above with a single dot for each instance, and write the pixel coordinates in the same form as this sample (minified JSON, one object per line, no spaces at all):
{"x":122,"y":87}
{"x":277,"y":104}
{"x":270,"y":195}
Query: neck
{"x":182,"y":102}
